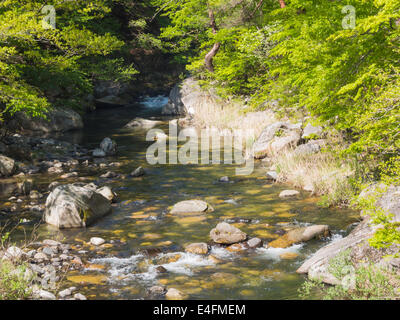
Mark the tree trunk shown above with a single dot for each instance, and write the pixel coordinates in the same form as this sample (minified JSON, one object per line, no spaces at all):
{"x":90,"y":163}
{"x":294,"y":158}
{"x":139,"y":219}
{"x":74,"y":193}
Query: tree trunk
{"x":208,"y":60}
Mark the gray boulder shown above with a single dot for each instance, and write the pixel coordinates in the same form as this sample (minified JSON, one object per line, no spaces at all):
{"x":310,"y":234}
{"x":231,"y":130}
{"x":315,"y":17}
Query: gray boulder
{"x":108,"y":146}
{"x":98,"y":153}
{"x":184,"y":98}
{"x":311,"y":147}
{"x":7,"y":166}
{"x":311,"y":131}
{"x":225,"y":233}
{"x":357,"y":241}
{"x":57,"y":120}
{"x":276,"y":138}
{"x":72,"y":206}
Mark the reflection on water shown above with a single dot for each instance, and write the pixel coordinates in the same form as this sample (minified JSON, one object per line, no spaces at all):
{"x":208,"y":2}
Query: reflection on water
{"x":140,"y":221}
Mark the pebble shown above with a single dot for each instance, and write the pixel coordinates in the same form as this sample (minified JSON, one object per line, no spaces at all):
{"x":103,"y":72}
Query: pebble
{"x":51,"y":243}
{"x":65,"y":293}
{"x":79,"y":296}
{"x":46,"y":295}
{"x":96,"y":241}
{"x":289,"y":193}
{"x":224,"y":179}
{"x":40,"y":256}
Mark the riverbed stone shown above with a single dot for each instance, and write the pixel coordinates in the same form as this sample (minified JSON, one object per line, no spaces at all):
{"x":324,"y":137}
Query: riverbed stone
{"x":191,"y":206}
{"x":50,"y":242}
{"x":276,"y":138}
{"x":64,"y":293}
{"x":108,"y":146}
{"x":13,"y":253}
{"x":225,"y":233}
{"x":96,"y":241}
{"x":289,"y":193}
{"x":174,"y":294}
{"x":272,"y":175}
{"x":254,"y":243}
{"x":157,"y":290}
{"x":142,"y":123}
{"x":40,"y":256}
{"x":46,"y":295}
{"x":238,"y":247}
{"x":71,"y":206}
{"x":7,"y":166}
{"x":98,"y":153}
{"x":79,"y":296}
{"x":107,"y":193}
{"x":298,"y":235}
{"x":138,"y":172}
{"x":197,"y":248}
{"x":317,"y":267}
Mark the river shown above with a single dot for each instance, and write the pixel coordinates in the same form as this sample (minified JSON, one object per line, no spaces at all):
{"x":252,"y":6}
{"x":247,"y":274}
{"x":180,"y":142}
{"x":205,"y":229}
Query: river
{"x":140,"y":223}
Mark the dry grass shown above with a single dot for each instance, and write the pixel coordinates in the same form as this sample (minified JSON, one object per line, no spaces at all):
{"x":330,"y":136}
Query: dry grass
{"x":212,"y":112}
{"x":322,"y":172}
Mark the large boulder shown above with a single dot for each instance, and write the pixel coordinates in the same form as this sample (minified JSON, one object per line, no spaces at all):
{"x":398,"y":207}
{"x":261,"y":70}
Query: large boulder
{"x":184,"y":98}
{"x":276,"y":138}
{"x":225,"y":233}
{"x":191,"y":206}
{"x":311,"y":147}
{"x":300,"y":235}
{"x":72,"y":206}
{"x":7,"y":166}
{"x":57,"y":120}
{"x":317,"y":267}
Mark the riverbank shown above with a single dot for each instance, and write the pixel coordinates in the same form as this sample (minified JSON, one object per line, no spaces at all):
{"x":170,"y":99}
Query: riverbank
{"x":311,"y":158}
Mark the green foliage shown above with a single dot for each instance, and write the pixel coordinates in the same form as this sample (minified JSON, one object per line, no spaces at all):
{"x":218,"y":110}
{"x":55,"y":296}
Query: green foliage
{"x":42,"y":67}
{"x":363,"y":282}
{"x":388,"y":232}
{"x":14,"y":284}
{"x":303,"y":57}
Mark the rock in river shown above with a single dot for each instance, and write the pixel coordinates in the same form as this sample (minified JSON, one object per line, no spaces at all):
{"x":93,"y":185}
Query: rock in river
{"x":108,"y":146}
{"x":191,"y":206}
{"x":71,"y":206}
{"x":174,"y":294}
{"x":106,"y":192}
{"x":96,"y":241}
{"x":227,"y":234}
{"x":138,"y":172}
{"x":197,"y":248}
{"x":300,"y":235}
{"x":288,"y":193}
{"x":7,"y":166}
{"x":317,"y":267}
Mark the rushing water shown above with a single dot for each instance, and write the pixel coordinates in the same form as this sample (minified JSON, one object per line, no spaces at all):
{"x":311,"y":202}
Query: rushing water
{"x":140,"y":221}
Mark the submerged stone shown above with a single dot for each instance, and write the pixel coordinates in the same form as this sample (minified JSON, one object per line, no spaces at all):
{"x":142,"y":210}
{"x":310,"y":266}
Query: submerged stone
{"x":191,"y":206}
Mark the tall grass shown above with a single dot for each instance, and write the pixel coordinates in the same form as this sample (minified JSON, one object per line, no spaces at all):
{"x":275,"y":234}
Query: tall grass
{"x":322,"y":173}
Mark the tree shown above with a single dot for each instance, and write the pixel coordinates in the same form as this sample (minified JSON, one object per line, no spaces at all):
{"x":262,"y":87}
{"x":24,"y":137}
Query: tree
{"x":42,"y":66}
